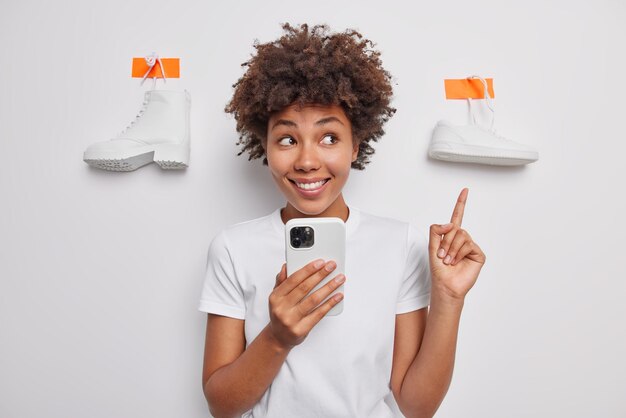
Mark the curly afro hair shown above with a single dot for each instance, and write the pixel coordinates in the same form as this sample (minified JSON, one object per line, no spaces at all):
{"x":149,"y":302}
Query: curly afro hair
{"x":311,"y":67}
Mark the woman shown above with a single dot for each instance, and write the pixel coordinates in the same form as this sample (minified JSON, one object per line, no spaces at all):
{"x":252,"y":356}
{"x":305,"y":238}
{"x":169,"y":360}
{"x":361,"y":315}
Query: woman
{"x":309,"y":104}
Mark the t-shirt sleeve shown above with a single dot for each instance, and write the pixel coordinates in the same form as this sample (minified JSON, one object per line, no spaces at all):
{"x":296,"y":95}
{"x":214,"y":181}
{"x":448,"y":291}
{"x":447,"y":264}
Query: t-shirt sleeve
{"x":222,"y":293}
{"x":415,"y":286}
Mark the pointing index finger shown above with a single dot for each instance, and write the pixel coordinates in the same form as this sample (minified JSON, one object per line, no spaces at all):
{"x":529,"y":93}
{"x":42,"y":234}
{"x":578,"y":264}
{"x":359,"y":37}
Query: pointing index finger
{"x":459,"y":208}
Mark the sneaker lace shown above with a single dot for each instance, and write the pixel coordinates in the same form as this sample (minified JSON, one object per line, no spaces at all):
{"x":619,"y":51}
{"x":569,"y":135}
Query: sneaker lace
{"x":497,"y":135}
{"x":489,"y":103}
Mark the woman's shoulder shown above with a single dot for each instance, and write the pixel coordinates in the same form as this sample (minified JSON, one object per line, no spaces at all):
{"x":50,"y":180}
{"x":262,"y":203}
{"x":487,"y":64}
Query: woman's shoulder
{"x":258,"y":227}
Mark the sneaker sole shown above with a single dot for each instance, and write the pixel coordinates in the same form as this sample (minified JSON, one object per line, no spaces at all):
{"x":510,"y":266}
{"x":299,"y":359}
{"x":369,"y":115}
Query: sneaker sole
{"x":480,"y":155}
{"x":168,"y":157}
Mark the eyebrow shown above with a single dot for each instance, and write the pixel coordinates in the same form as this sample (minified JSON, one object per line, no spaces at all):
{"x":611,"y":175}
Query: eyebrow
{"x":323,"y":121}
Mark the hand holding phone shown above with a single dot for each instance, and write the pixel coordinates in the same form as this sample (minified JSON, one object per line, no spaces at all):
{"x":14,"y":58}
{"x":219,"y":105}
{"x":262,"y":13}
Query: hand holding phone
{"x":293,"y":311}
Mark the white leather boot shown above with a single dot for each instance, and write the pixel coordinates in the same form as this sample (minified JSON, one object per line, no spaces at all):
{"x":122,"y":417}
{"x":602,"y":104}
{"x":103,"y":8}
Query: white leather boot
{"x":159,"y":133}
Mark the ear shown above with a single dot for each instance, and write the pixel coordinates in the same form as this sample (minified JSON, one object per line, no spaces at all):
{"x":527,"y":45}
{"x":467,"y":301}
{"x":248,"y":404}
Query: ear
{"x":355,"y":152}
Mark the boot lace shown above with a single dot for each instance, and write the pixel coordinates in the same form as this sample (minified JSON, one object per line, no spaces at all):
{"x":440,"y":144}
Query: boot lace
{"x":144,"y":105}
{"x":151,"y":60}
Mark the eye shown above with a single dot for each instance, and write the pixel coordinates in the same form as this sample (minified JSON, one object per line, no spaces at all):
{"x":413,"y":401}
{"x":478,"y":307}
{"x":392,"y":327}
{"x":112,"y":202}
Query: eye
{"x":333,"y":137}
{"x":281,"y":141}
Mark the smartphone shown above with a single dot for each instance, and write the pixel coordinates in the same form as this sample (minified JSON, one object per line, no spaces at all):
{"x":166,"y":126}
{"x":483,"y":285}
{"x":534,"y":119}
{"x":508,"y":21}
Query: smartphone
{"x":307,"y":239}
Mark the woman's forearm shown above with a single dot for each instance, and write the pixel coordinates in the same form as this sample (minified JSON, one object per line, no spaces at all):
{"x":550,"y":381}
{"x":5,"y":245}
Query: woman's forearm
{"x":428,"y":378}
{"x":235,"y":388}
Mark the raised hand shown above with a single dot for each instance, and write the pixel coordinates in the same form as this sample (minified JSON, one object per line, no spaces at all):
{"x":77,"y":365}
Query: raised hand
{"x":455,"y":260}
{"x":292,"y":315}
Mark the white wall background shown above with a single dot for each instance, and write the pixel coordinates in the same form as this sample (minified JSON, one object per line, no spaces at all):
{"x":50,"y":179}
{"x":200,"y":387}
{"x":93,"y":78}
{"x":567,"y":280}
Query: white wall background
{"x":100,"y":272}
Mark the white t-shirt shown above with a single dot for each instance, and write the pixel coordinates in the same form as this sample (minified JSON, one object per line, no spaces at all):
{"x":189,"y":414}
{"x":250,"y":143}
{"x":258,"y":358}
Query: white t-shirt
{"x":343,"y":366}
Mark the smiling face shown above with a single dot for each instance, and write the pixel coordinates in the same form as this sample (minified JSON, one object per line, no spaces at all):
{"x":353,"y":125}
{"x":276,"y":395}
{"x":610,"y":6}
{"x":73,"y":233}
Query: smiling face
{"x":309,"y":153}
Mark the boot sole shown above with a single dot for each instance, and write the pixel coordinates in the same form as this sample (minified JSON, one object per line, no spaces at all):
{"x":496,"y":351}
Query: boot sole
{"x":168,"y":157}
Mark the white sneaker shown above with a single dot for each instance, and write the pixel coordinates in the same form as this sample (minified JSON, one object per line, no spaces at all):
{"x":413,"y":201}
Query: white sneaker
{"x":476,"y":144}
{"x":159,"y":133}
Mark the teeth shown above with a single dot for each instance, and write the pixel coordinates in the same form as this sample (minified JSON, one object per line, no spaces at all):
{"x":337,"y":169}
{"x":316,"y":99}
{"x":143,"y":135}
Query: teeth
{"x":311,"y":186}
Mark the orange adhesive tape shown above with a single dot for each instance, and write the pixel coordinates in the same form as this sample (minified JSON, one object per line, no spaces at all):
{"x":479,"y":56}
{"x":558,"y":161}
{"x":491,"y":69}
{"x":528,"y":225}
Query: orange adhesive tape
{"x":172,"y":68}
{"x":465,"y":88}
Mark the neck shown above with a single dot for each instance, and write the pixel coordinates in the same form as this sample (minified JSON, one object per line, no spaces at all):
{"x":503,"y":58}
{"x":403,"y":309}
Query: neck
{"x":338,"y":209}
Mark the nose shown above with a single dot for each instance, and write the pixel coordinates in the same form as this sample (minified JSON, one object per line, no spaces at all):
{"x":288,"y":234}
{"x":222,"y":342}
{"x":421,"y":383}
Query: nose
{"x":308,"y":158}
